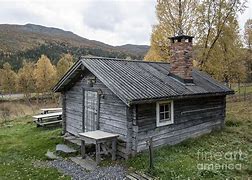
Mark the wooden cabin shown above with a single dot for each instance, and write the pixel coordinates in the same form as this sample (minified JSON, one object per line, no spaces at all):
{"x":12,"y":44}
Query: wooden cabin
{"x":139,"y":100}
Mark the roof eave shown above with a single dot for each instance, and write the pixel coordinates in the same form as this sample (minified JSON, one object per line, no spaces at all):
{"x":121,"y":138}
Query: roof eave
{"x":57,"y":87}
{"x":151,"y":100}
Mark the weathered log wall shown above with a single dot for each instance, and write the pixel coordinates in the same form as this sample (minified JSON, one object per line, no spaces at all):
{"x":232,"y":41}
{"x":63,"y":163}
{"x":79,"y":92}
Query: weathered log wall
{"x":192,"y":117}
{"x":112,"y":111}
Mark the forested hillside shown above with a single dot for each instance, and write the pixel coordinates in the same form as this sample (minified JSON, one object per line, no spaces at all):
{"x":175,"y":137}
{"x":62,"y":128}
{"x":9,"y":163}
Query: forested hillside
{"x":29,"y":42}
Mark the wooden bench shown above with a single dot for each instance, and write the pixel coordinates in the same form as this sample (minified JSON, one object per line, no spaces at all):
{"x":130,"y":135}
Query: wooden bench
{"x":51,"y":110}
{"x":48,"y":119}
{"x":99,"y":137}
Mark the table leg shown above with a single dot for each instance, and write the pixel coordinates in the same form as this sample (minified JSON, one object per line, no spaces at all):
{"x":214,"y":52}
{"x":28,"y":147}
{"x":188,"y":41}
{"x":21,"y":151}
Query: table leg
{"x":98,"y":153}
{"x":113,"y":149}
{"x":83,"y":149}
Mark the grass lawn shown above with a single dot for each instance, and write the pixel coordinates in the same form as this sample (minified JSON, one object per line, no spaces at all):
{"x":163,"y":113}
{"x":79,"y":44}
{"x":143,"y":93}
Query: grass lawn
{"x":21,"y":145}
{"x":248,"y":89}
{"x":194,"y":159}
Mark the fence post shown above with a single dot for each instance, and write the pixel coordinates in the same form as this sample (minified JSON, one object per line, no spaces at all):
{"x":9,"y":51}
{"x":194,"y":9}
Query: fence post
{"x":150,"y":144}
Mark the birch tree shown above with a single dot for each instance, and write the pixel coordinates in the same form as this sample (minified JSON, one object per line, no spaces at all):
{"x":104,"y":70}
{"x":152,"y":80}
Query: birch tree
{"x":174,"y":17}
{"x":65,"y":62}
{"x":26,"y":79}
{"x":9,"y":79}
{"x":212,"y":16}
{"x":248,"y":51}
{"x":45,"y":74}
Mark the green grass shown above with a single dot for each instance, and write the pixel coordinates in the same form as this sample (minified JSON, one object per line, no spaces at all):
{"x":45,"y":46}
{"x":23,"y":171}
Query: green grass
{"x":21,"y":144}
{"x":248,"y":89}
{"x":184,"y":161}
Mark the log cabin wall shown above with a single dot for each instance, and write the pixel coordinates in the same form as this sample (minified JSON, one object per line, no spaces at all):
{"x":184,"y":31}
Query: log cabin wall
{"x":112,"y":111}
{"x":192,"y":117}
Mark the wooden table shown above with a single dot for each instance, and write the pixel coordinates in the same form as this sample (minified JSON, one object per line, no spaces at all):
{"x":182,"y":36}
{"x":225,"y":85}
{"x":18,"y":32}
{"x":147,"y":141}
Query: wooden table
{"x":99,"y":137}
{"x":47,"y":110}
{"x":53,"y":117}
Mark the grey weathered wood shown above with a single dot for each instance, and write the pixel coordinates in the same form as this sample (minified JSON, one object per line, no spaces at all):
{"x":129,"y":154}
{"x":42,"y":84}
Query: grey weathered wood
{"x":98,"y":137}
{"x":83,"y":149}
{"x":134,"y":124}
{"x":111,"y":112}
{"x":98,"y":153}
{"x":48,"y":123}
{"x":191,"y":117}
{"x":114,"y":149}
{"x":47,"y":110}
{"x":83,"y":110}
{"x":91,"y":108}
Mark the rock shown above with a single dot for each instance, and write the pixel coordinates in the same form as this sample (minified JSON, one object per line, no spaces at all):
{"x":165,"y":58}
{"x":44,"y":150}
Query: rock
{"x":62,"y":148}
{"x":50,"y":155}
{"x":86,"y":163}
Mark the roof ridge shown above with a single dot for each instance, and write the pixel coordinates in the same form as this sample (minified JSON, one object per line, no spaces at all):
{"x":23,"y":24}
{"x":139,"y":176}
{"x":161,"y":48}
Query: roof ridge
{"x":117,"y":59}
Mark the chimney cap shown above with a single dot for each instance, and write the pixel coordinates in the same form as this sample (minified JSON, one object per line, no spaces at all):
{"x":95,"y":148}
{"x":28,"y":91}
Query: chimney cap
{"x":181,"y":36}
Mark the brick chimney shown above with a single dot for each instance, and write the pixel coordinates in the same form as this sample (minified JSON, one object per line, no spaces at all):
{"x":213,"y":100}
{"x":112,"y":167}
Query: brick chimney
{"x":181,"y":58}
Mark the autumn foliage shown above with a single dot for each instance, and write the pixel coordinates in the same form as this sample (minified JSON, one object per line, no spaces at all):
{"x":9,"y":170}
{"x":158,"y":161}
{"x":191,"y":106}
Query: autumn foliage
{"x":218,"y":46}
{"x":31,"y":78}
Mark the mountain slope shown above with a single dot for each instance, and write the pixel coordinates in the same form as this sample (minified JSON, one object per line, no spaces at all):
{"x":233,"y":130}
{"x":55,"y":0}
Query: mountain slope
{"x":29,"y":41}
{"x":139,"y":49}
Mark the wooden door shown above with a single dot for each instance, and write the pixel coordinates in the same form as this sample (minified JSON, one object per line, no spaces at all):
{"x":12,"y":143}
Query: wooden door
{"x":91,"y":111}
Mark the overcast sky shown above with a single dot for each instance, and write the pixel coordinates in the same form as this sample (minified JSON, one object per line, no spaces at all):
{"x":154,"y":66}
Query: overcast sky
{"x":114,"y":22}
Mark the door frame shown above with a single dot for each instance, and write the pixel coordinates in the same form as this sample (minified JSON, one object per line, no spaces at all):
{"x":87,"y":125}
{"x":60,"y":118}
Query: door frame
{"x":99,"y":92}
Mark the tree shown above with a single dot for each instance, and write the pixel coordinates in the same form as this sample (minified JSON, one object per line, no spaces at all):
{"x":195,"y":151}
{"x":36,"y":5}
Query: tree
{"x":26,"y":79}
{"x":212,"y":16}
{"x":174,"y":17}
{"x":248,"y":51}
{"x":248,"y":33}
{"x":204,"y":19}
{"x":153,"y":55}
{"x":9,"y":79}
{"x":65,"y":62}
{"x":226,"y":60}
{"x":1,"y":80}
{"x":45,"y":74}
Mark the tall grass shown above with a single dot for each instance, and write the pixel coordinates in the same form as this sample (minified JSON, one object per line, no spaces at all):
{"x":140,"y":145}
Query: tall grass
{"x":18,"y":108}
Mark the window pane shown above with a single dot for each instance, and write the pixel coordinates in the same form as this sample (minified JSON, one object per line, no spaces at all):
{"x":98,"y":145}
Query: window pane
{"x":166,"y":107}
{"x":161,"y":108}
{"x":161,"y":117}
{"x":167,"y":115}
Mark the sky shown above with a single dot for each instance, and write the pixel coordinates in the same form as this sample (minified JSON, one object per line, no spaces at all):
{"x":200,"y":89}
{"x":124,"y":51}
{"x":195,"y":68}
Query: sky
{"x":115,"y":22}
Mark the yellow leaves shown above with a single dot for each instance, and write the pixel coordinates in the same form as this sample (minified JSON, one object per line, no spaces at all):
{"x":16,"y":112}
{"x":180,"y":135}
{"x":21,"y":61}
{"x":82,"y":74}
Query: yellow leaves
{"x":217,"y":47}
{"x":39,"y":77}
{"x":64,"y":64}
{"x":170,"y":21}
{"x":26,"y":79}
{"x":152,"y":55}
{"x":45,"y":74}
{"x":8,"y":79}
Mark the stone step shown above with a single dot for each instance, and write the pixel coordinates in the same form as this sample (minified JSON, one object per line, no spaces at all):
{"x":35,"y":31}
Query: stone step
{"x":62,"y":148}
{"x":87,"y":163}
{"x":50,"y":155}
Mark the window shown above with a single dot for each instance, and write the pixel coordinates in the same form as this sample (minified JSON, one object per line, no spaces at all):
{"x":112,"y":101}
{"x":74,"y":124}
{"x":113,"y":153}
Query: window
{"x":164,"y":113}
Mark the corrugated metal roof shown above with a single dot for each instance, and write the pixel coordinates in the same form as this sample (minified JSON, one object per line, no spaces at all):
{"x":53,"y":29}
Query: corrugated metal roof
{"x":134,"y":81}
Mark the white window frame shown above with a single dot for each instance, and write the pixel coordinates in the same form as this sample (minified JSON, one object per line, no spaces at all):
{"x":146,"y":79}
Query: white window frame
{"x":171,"y":121}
